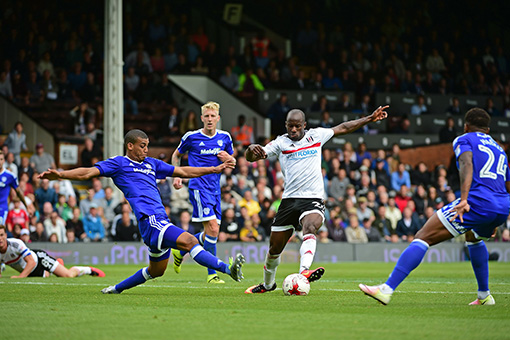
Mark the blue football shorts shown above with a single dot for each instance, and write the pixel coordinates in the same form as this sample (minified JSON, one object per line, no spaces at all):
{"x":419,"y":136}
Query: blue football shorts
{"x":480,"y":221}
{"x":206,"y":205}
{"x":159,"y":234}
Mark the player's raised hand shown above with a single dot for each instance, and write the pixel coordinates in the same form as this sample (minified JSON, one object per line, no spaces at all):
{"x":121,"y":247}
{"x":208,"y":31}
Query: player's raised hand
{"x":460,"y":209}
{"x":379,"y":113}
{"x":177,"y":183}
{"x":50,"y":174}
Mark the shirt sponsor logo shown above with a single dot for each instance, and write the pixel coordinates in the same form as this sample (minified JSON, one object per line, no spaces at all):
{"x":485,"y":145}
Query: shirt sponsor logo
{"x":303,"y":154}
{"x":145,"y":171}
{"x":214,"y":151}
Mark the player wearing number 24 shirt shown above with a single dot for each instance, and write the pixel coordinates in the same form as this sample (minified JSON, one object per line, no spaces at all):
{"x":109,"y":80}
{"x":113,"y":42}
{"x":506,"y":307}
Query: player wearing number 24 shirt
{"x":299,"y":153}
{"x":484,"y":204}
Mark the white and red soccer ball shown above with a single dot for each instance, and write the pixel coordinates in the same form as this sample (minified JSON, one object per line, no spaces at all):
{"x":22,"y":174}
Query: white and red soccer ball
{"x":296,"y":284}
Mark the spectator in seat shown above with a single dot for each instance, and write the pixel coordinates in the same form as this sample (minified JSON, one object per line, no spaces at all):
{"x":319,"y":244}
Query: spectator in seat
{"x":76,"y":224}
{"x":229,"y":228}
{"x":16,"y":141}
{"x":55,"y":226}
{"x":93,"y":225}
{"x":400,"y":177}
{"x":5,"y":85}
{"x":185,"y":222}
{"x":39,"y":234}
{"x":373,"y":235}
{"x":277,"y":112}
{"x":126,"y":229}
{"x":354,"y":232}
{"x":82,"y":115}
{"x":407,"y":227}
{"x":45,"y":194}
{"x":448,"y":133}
{"x":454,"y":109}
{"x":419,"y":107}
{"x":242,"y":133}
{"x":90,"y":153}
{"x":229,"y":79}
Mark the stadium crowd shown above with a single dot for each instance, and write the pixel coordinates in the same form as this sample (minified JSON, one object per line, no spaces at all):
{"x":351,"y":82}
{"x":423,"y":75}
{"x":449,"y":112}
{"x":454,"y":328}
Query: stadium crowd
{"x":371,"y":196}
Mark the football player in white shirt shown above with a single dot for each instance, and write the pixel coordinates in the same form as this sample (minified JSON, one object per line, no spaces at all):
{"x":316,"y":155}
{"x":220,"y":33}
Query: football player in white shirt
{"x":299,"y":152}
{"x":36,"y":263}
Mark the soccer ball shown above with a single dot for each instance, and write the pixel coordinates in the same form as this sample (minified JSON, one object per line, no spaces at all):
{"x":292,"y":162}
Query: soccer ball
{"x":296,"y":284}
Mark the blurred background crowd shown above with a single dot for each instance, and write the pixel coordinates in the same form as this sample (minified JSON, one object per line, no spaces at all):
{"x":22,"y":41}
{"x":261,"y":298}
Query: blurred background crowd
{"x":52,"y":68}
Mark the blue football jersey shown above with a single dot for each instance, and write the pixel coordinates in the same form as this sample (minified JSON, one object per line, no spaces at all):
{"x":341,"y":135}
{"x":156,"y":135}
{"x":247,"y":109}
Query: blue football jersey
{"x":138,"y":182}
{"x":7,"y":181}
{"x":490,"y":171}
{"x":202,"y":151}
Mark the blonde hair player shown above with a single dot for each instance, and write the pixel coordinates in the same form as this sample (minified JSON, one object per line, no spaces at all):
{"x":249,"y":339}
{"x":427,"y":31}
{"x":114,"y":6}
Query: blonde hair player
{"x":207,"y":146}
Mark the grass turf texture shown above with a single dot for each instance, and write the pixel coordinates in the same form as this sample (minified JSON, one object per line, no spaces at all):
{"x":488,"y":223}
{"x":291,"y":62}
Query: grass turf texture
{"x":431,"y":303}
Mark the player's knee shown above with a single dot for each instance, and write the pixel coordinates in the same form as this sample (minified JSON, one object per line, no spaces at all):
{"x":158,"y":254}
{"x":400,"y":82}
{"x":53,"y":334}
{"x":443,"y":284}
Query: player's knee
{"x":212,"y":228}
{"x":186,"y":241}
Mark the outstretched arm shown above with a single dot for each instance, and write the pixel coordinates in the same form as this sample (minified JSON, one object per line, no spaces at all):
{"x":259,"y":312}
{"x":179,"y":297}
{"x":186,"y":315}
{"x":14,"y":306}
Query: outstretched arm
{"x":353,"y":125}
{"x":192,"y":172}
{"x":79,"y":174}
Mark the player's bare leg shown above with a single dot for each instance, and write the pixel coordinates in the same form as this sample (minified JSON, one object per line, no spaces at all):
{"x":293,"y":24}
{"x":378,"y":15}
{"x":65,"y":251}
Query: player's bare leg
{"x":209,"y":239}
{"x":479,"y":257}
{"x":311,"y":224}
{"x":433,"y":232}
{"x":62,"y":271}
{"x":277,"y":242}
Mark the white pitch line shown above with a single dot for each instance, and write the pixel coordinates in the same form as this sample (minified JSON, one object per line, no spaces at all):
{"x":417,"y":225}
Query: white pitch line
{"x":219,"y":287}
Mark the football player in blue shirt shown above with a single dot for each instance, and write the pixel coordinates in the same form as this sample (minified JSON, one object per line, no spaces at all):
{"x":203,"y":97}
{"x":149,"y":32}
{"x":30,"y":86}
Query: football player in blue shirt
{"x":7,"y":181}
{"x":135,"y":175}
{"x":484,"y":204}
{"x":205,"y":147}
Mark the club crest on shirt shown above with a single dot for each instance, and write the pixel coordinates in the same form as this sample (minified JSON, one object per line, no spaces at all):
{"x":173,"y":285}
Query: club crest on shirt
{"x":148,"y":166}
{"x":4,"y":178}
{"x":220,"y":142}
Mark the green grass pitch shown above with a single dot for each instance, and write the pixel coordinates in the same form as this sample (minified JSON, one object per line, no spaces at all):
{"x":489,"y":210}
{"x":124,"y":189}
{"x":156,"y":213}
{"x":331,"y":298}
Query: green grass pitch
{"x":430,"y":304}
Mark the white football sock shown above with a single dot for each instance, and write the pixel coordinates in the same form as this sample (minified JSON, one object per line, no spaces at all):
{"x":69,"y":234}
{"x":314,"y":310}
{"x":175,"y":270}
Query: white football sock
{"x":483,"y":294}
{"x":307,"y":252}
{"x":83,"y":270}
{"x":272,"y":262}
{"x":385,"y":289}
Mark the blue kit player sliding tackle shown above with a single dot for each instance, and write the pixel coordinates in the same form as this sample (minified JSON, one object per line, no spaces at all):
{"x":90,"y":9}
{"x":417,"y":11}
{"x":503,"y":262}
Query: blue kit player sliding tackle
{"x":135,"y":175}
{"x":484,"y":204}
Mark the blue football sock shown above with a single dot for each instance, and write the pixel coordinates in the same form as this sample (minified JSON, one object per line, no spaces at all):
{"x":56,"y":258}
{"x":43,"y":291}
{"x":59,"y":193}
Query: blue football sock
{"x":480,"y":262}
{"x":210,"y":246}
{"x":408,"y":260}
{"x":206,"y":259}
{"x":134,"y":280}
{"x":200,"y":240}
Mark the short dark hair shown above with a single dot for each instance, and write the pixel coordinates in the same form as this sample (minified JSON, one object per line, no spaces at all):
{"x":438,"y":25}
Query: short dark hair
{"x":133,"y":135}
{"x":296,"y":111}
{"x":478,"y":117}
